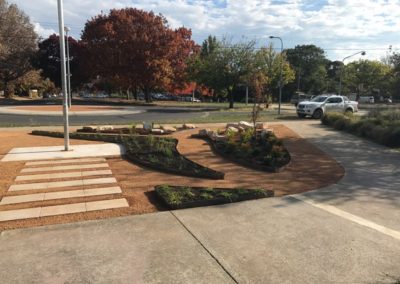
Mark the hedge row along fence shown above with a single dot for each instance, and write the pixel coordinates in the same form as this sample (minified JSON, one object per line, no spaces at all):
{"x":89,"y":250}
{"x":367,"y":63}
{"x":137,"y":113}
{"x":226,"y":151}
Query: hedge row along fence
{"x":382,"y":127}
{"x":158,"y":153}
{"x":179,"y":197}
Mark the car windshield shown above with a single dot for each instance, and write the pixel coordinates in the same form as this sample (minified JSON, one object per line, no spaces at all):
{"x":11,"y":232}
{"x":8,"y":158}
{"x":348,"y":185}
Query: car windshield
{"x":319,"y":99}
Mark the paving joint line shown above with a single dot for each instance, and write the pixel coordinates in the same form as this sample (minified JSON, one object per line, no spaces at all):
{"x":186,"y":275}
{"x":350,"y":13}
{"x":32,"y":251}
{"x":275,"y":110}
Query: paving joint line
{"x":206,"y":249}
{"x":348,"y":216}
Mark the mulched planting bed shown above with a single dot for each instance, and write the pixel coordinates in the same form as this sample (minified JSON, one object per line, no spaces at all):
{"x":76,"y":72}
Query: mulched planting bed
{"x":265,"y":153}
{"x":158,"y":153}
{"x":179,"y":197}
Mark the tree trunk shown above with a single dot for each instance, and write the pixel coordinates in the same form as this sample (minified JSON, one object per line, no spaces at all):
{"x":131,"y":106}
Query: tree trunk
{"x":230,"y":97}
{"x":8,"y":93}
{"x":147,"y":95}
{"x":135,"y":93}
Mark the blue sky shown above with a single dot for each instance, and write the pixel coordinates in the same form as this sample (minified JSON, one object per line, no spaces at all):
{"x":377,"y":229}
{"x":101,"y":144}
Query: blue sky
{"x":341,"y":27}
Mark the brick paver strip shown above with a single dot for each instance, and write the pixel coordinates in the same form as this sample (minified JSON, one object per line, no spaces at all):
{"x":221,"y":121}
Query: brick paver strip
{"x":60,"y":168}
{"x":64,"y":175}
{"x":60,"y":195}
{"x":65,"y":161}
{"x":62,"y":209}
{"x":57,"y":184}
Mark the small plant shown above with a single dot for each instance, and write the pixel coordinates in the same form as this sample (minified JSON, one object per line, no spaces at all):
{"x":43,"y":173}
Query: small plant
{"x":183,"y":196}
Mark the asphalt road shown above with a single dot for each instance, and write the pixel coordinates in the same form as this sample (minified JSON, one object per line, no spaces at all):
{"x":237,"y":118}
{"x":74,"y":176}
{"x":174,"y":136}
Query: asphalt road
{"x":147,"y":114}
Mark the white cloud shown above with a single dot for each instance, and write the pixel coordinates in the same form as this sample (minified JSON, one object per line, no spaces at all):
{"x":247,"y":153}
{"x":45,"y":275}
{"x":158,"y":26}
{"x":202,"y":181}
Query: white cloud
{"x":331,"y":24}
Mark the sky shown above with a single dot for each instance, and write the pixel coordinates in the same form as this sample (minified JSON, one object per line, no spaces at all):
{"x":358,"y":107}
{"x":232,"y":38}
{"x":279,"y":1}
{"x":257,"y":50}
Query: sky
{"x":340,"y":27}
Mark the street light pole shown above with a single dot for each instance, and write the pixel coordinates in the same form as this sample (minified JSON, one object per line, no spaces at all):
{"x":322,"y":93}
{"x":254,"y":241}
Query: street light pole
{"x":342,"y":67}
{"x":69,"y":91}
{"x":63,"y":73}
{"x":280,"y":75}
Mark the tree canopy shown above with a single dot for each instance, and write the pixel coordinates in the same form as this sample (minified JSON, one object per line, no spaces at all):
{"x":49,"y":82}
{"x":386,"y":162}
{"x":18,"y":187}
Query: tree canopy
{"x":18,"y":42}
{"x":136,"y":49}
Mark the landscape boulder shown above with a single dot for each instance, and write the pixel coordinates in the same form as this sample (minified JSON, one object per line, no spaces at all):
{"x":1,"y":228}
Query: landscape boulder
{"x":203,"y":132}
{"x":157,"y":131}
{"x":105,"y":127}
{"x":189,"y":126}
{"x":168,"y":129}
{"x":245,"y":124}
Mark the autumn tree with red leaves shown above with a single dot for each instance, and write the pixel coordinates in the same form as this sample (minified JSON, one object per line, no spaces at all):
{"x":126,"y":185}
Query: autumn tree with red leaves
{"x":137,"y":50}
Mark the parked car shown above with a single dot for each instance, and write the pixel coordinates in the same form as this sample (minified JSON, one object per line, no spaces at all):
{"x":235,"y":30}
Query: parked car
{"x":325,"y":103}
{"x":366,"y":99}
{"x":300,"y":97}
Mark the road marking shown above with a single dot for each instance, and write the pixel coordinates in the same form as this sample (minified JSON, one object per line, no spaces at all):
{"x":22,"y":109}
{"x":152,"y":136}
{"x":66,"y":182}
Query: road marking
{"x":356,"y":219}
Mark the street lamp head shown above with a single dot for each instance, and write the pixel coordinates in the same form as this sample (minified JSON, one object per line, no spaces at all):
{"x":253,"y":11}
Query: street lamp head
{"x":363,"y":53}
{"x":67,"y":29}
{"x":271,"y":37}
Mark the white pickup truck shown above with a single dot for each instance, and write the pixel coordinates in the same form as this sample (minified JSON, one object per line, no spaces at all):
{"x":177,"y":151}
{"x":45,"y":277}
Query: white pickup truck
{"x":325,"y":103}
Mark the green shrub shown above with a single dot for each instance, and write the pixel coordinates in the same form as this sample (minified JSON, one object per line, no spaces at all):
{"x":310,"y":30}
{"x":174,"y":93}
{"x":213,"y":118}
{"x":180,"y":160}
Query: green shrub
{"x":184,"y":196}
{"x":380,"y":126}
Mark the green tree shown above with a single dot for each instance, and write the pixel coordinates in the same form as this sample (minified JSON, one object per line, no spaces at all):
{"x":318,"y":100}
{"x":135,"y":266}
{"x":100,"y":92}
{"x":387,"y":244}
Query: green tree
{"x":367,"y":77}
{"x":223,"y":66}
{"x":309,"y":63}
{"x":269,"y":62}
{"x":18,"y":42}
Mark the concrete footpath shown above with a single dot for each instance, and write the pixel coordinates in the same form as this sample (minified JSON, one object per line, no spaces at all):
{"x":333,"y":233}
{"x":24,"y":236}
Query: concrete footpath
{"x":346,"y":233}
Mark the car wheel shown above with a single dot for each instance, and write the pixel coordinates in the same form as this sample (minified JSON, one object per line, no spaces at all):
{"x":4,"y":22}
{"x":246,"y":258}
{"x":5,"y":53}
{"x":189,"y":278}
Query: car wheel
{"x":348,"y":111}
{"x":318,"y":114}
{"x":300,"y":115}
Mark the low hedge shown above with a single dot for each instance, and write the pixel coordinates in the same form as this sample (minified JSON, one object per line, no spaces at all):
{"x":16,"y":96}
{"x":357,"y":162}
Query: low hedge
{"x":158,"y":153}
{"x":380,"y":128}
{"x":179,"y":197}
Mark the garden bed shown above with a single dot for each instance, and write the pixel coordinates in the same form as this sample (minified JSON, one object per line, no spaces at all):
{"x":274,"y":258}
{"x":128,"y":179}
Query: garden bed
{"x":179,"y":197}
{"x":382,"y":127}
{"x":264,"y":153}
{"x":157,"y":153}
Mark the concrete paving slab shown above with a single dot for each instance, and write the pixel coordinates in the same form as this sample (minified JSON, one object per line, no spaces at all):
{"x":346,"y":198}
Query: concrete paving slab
{"x":63,"y":175}
{"x":65,"y":161}
{"x":22,"y":198}
{"x":58,"y":184}
{"x":64,"y":194}
{"x":63,"y":168}
{"x":45,"y":185}
{"x":150,"y":248}
{"x":99,"y":181}
{"x":57,"y":152}
{"x":102,"y":191}
{"x":63,"y":209}
{"x":284,"y":240}
{"x":19,"y":214}
{"x":106,"y":204}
